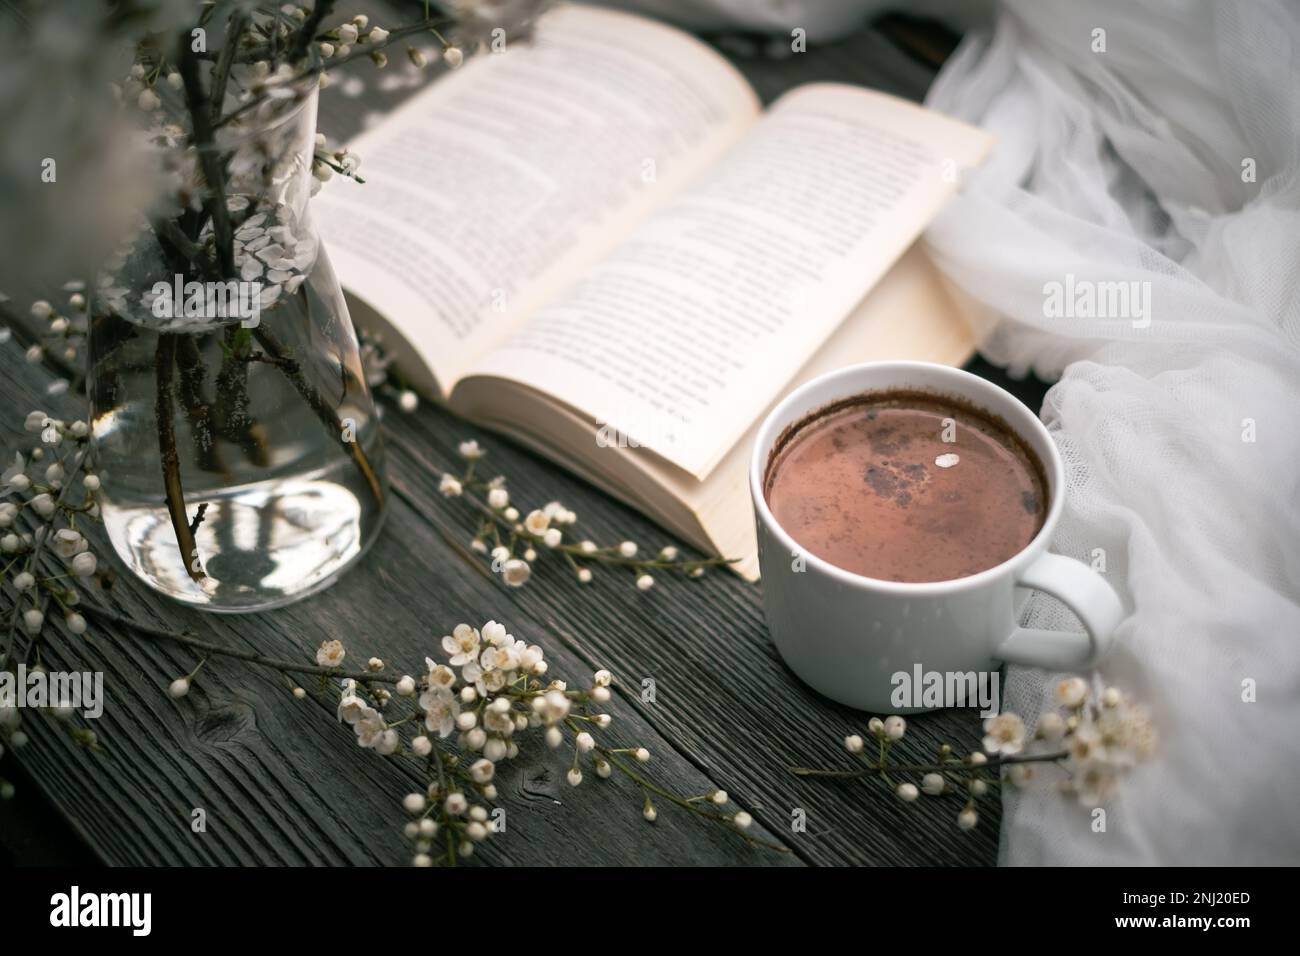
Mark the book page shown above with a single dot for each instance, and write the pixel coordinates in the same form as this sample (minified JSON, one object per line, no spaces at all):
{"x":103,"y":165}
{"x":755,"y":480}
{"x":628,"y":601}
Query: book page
{"x":497,"y":186}
{"x":686,"y":331}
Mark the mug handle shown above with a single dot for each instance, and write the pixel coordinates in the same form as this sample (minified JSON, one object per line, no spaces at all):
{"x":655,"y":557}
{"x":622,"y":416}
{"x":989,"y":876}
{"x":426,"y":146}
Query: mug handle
{"x":1083,"y":591}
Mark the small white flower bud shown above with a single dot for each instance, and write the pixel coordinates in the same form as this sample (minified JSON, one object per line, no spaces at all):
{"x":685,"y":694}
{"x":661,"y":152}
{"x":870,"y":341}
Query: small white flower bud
{"x":742,"y":819}
{"x":932,"y":784}
{"x":853,"y":744}
{"x":84,"y":564}
{"x":907,"y":792}
{"x":895,"y":727}
{"x":645,"y":582}
{"x":413,"y":803}
{"x":32,"y":621}
{"x":406,"y":686}
{"x":453,"y":56}
{"x":627,"y":549}
{"x":642,"y":755}
{"x":574,"y":777}
{"x":178,"y":688}
{"x":422,"y":746}
{"x":967,"y":819}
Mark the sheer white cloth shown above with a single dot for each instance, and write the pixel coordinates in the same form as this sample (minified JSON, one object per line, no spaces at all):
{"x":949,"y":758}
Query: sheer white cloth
{"x":1180,"y":436}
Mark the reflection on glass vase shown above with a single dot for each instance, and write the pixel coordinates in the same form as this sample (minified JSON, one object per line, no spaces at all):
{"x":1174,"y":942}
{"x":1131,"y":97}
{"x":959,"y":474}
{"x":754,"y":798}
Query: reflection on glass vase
{"x":235,"y":436}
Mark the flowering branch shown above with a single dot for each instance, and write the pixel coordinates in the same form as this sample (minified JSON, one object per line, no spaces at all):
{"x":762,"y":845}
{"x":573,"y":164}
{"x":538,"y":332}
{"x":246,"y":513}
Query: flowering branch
{"x":514,"y":542}
{"x":1093,"y":742}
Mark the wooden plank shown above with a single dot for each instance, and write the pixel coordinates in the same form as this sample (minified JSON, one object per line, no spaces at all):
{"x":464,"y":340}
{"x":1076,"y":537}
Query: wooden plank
{"x":280,"y":780}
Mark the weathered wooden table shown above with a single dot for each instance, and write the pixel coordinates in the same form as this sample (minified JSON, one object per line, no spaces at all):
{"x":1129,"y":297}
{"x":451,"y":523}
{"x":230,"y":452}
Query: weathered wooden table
{"x":281,"y":782}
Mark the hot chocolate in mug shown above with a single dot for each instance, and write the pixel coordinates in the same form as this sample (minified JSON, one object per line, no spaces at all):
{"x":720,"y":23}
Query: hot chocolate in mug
{"x":849,"y":636}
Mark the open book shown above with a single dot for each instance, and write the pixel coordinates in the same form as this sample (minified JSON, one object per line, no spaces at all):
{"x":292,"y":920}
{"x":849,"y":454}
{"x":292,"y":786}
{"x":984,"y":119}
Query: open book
{"x":601,"y":245}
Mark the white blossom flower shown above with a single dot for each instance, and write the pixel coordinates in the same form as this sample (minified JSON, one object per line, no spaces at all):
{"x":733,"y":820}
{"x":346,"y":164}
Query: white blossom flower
{"x":370,"y":729}
{"x":537,"y":522}
{"x":24,"y":580}
{"x":36,"y":421}
{"x":1072,"y":692}
{"x":895,"y":727}
{"x":462,"y":644}
{"x":347,"y":33}
{"x":933,"y":784}
{"x":1094,"y":782}
{"x":406,"y":686}
{"x":456,"y":804}
{"x":449,"y":486}
{"x":378,"y":35}
{"x":498,"y":498}
{"x":84,"y":564}
{"x":481,"y":770}
{"x":1051,"y":726}
{"x":516,"y":572}
{"x":14,"y":477}
{"x":441,"y":710}
{"x":1020,"y":773}
{"x":470,"y":450}
{"x":43,"y":505}
{"x":584,"y":742}
{"x":1004,"y":734}
{"x":453,"y":56}
{"x":413,"y":803}
{"x":330,"y":653}
{"x":67,"y":543}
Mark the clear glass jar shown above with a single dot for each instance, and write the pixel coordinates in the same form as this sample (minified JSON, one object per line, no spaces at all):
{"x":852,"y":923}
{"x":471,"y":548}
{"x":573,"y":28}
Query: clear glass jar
{"x":237,"y":445}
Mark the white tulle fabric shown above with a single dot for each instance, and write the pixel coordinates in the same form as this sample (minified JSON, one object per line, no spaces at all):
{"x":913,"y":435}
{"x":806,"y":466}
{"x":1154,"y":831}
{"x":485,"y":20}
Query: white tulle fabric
{"x":1181,"y":438}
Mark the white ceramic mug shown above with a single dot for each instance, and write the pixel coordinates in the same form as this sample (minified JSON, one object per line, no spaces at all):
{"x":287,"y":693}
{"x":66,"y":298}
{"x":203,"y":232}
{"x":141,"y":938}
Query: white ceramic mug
{"x":847,"y":635}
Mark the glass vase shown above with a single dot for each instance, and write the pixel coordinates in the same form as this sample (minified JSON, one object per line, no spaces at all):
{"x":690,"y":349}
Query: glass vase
{"x":235,"y":436}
